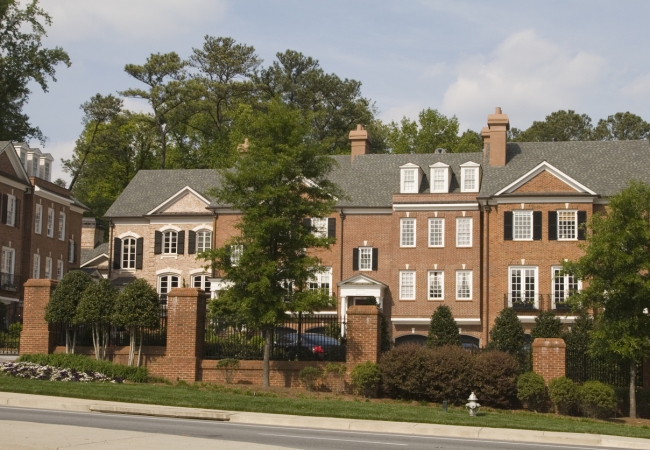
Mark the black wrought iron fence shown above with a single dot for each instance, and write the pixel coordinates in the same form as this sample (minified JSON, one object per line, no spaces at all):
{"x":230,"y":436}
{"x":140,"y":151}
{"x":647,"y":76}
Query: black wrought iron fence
{"x":581,"y":367}
{"x":299,"y":338}
{"x":10,"y":328}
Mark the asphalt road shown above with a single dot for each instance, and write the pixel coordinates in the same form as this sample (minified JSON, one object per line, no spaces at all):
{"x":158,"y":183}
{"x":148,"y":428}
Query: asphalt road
{"x":299,"y":438}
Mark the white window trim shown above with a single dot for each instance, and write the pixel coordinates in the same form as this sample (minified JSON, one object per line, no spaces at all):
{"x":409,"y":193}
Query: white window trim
{"x":536,"y":269}
{"x":135,"y":251}
{"x":566,"y":292}
{"x":401,"y":294}
{"x":360,"y":259}
{"x":159,"y":278}
{"x":71,"y":251}
{"x":61,"y":226}
{"x":202,"y":230}
{"x":11,"y":218}
{"x":236,"y":250}
{"x":204,"y":277}
{"x":319,"y":226}
{"x":416,"y":178}
{"x":401,"y":232}
{"x":318,"y":278}
{"x":442,"y":285}
{"x":48,"y":267}
{"x":36,"y":266}
{"x":59,"y":269}
{"x":445,"y":185}
{"x":463,"y":175}
{"x":575,"y":221}
{"x":50,"y":229}
{"x":471,"y":284}
{"x":514,"y":233}
{"x":471,"y":231}
{"x":12,"y":252}
{"x":442,"y":237}
{"x":38,"y":219}
{"x":164,"y":249}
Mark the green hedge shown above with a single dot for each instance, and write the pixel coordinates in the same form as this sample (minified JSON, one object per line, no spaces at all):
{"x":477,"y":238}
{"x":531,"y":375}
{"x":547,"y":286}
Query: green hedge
{"x":83,"y":363}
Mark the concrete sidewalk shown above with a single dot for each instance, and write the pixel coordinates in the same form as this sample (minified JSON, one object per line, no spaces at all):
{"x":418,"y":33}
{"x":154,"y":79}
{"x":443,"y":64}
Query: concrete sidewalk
{"x":419,"y":429}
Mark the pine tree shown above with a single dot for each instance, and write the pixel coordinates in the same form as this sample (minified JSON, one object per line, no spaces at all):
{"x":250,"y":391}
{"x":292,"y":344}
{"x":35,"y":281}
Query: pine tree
{"x":507,"y":335}
{"x":547,"y":325}
{"x":443,"y":330}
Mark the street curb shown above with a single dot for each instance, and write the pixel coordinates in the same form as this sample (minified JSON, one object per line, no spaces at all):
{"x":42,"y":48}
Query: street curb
{"x":157,"y":411}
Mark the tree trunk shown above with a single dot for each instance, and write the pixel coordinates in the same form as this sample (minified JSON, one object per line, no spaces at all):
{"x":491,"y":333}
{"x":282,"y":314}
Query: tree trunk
{"x":267,"y":357}
{"x":96,"y":342}
{"x":131,"y":345}
{"x":105,"y":341}
{"x":67,"y":340}
{"x":633,"y":390}
{"x":140,"y":348}
{"x":74,"y":339}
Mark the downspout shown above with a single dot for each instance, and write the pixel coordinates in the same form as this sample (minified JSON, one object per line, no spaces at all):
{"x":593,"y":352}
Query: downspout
{"x":213,"y":245}
{"x":342,"y":214}
{"x":111,"y":225}
{"x":486,"y":272}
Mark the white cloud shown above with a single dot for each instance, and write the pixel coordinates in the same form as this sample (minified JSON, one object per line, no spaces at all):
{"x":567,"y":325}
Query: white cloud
{"x":396,"y":113}
{"x":640,"y":86}
{"x":526,"y":75}
{"x":137,"y":105}
{"x":75,"y":20}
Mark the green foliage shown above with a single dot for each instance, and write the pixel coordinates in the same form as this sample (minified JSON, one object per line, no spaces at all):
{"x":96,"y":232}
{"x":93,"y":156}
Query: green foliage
{"x":597,"y":400}
{"x":365,"y":379}
{"x":84,"y":363}
{"x":96,"y":303}
{"x":386,"y":343}
{"x":309,"y":376}
{"x":563,"y":392}
{"x":547,"y":325}
{"x":558,"y":126}
{"x":579,"y":337}
{"x":623,"y":402}
{"x":531,"y":390}
{"x":62,"y":307}
{"x":622,"y":126}
{"x":494,"y":378}
{"x":336,"y":369}
{"x":229,"y":365}
{"x":137,"y":306}
{"x":443,"y":329}
{"x":507,"y":335}
{"x":14,"y":330}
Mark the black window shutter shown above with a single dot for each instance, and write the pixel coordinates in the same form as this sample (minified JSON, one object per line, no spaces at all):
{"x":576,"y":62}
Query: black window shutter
{"x":180,"y":248}
{"x":191,"y":243}
{"x":507,"y":226}
{"x":157,"y":243}
{"x":228,"y":250}
{"x":375,"y":258}
{"x":17,"y":213}
{"x":331,"y":227}
{"x":139,"y":244}
{"x":537,"y":225}
{"x":355,"y":259}
{"x":552,"y":225}
{"x":117,"y":253}
{"x":5,"y":205}
{"x":582,"y":220}
{"x":306,"y":222}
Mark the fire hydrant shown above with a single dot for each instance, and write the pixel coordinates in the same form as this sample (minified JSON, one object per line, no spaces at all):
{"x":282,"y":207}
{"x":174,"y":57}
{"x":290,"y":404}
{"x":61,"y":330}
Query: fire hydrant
{"x":473,"y":404}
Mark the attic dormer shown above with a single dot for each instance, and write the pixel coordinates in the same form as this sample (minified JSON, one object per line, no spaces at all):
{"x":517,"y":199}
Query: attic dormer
{"x":470,"y":177}
{"x":410,"y":178}
{"x":440,"y":178}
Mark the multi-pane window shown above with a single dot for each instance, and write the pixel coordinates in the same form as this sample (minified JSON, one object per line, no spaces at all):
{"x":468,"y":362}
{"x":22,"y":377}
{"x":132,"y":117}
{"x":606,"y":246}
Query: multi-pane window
{"x":203,"y":240}
{"x":407,"y":285}
{"x":61,"y":226}
{"x":463,"y":232}
{"x":128,"y":253}
{"x":34,"y":166}
{"x":23,"y":159}
{"x":48,"y":267}
{"x":522,"y":225}
{"x":563,"y":285}
{"x":50,"y":222}
{"x":166,"y":283}
{"x":11,"y":210}
{"x":322,"y":281}
{"x":523,"y":286}
{"x":464,"y":285}
{"x":365,"y":258}
{"x":407,"y":232}
{"x":439,"y":182}
{"x":71,"y":250}
{"x":436,"y":232}
{"x":7,"y":266}
{"x":319,"y":227}
{"x":36,"y":270}
{"x":47,"y":171}
{"x":59,"y":269}
{"x":567,"y":225}
{"x":170,"y":242}
{"x":436,"y":285}
{"x":201,"y":282}
{"x":469,"y":179}
{"x":235,"y":254}
{"x":409,"y":180}
{"x":38,"y":219}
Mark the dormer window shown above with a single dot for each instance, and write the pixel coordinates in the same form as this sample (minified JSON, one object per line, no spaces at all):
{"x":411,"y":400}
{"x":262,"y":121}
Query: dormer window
{"x":440,"y":178}
{"x":470,"y":177}
{"x":47,"y":171}
{"x":411,"y":176}
{"x":34,"y":166}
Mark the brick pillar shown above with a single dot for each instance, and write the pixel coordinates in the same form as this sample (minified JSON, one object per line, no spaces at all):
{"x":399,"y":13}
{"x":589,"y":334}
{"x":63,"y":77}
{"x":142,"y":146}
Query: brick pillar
{"x":185,"y":333}
{"x":363,"y":333}
{"x":37,"y":336}
{"x":549,"y":358}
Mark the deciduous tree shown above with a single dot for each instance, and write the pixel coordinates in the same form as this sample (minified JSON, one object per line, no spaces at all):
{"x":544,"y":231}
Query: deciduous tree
{"x":96,"y":308}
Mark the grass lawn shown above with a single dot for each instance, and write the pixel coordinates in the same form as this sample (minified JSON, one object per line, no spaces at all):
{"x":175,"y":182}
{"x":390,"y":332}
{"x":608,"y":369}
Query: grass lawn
{"x":311,"y":404}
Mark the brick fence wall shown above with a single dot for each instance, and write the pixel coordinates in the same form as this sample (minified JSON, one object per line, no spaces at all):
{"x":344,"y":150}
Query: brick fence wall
{"x":549,"y":358}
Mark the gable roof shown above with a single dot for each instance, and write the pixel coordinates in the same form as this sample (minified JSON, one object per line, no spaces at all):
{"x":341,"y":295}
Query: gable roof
{"x":7,"y":148}
{"x":89,"y":255}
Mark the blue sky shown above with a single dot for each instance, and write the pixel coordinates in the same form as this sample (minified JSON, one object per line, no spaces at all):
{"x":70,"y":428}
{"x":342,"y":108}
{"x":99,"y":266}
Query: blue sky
{"x":460,"y":57}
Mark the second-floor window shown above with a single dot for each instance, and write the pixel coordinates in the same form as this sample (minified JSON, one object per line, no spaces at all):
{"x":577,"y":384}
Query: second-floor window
{"x":322,"y":281}
{"x":567,"y":225}
{"x":10,"y":210}
{"x":71,"y":252}
{"x":59,"y":269}
{"x":50,"y":222}
{"x":436,"y":232}
{"x":464,"y":232}
{"x":563,"y":285}
{"x":61,"y":226}
{"x":128,"y":253}
{"x":407,"y":285}
{"x":522,"y":225}
{"x":407,"y":232}
{"x":203,"y":240}
{"x":36,"y":270}
{"x":38,"y":219}
{"x":236,"y":251}
{"x":464,"y":285}
{"x":48,"y":267}
{"x":170,"y":242}
{"x":7,"y":266}
{"x":436,"y":285}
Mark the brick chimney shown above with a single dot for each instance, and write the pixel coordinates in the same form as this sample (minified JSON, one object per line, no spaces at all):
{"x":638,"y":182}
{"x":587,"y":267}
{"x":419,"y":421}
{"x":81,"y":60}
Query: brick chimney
{"x":92,"y":233}
{"x":495,"y":136}
{"x":359,"y":141}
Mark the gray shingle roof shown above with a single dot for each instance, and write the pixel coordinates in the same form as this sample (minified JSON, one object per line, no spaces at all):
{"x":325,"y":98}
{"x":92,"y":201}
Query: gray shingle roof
{"x":605,"y":167}
{"x":88,"y":254}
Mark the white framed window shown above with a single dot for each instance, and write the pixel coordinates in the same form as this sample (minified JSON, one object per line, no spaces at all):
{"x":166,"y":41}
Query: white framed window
{"x":522,"y":225}
{"x":170,"y":242}
{"x":59,"y":269}
{"x":128,"y":253}
{"x":11,"y":210}
{"x":439,"y":183}
{"x":34,"y":166}
{"x":203,"y":240}
{"x":523,"y":287}
{"x":71,"y":250}
{"x":436,"y":232}
{"x":7,"y":267}
{"x":463,"y":232}
{"x":36,"y":270}
{"x":322,"y":281}
{"x":50,"y":222}
{"x":319,"y":227}
{"x":235,"y":254}
{"x":409,"y":181}
{"x":365,"y":258}
{"x":563,"y":285}
{"x":48,"y":267}
{"x":61,"y":226}
{"x":436,"y":285}
{"x":38,"y":219}
{"x":407,"y":285}
{"x":201,"y":282}
{"x":567,"y":225}
{"x":23,"y":159}
{"x":166,"y":283}
{"x":47,"y":171}
{"x":407,"y":232}
{"x":464,"y":285}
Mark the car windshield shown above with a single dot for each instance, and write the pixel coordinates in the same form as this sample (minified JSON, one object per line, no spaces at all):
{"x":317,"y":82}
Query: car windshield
{"x":309,"y":339}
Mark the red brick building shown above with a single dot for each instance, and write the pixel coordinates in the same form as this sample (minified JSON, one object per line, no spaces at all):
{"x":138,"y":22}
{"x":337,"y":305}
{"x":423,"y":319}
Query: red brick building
{"x":475,"y":231}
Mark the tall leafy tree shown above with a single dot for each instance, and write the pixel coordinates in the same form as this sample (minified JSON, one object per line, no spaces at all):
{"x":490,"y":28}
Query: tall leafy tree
{"x":23,"y":63}
{"x":578,"y":338}
{"x":96,"y":308}
{"x":547,"y":325}
{"x":443,"y":329}
{"x":622,"y":126}
{"x":616,"y":269}
{"x":507,"y":334}
{"x":279,"y":180}
{"x":557,"y":127}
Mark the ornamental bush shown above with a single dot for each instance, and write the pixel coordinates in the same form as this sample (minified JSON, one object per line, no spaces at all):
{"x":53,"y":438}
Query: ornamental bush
{"x":365,"y":379}
{"x":531,"y":390}
{"x":564,"y":395}
{"x":597,"y":400}
{"x":494,"y":379}
{"x":33,"y":371}
{"x":507,"y":335}
{"x":547,"y":325}
{"x":443,"y":329}
{"x":309,"y":376}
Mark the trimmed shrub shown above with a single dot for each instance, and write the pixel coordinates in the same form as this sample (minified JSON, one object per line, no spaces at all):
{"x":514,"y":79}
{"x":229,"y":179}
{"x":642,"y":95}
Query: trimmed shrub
{"x":309,"y":376}
{"x":494,"y":379}
{"x":564,"y":395}
{"x":531,"y":390}
{"x":365,"y":379}
{"x":229,"y":365}
{"x":597,"y":400}
{"x":337,"y":370}
{"x":547,"y":325}
{"x":443,"y":329}
{"x":507,"y":335}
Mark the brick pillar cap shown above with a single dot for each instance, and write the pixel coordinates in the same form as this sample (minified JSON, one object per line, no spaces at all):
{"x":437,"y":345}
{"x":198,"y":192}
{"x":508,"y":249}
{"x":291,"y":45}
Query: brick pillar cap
{"x":40,"y":282}
{"x":549,"y":342}
{"x":364,"y":310}
{"x":185,"y":292}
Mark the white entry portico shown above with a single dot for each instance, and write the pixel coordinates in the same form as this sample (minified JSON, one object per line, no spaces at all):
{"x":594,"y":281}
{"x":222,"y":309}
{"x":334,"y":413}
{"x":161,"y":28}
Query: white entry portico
{"x":360,"y":290}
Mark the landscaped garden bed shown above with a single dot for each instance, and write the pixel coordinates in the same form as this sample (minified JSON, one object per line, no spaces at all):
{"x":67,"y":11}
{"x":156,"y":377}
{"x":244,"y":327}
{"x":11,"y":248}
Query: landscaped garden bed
{"x":33,"y":371}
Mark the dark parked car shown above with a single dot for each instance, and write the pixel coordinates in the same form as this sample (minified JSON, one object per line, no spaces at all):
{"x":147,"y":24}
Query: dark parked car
{"x":311,"y":346}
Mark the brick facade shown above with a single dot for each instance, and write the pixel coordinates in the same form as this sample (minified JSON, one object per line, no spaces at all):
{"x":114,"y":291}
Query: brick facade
{"x":549,"y":358}
{"x":37,"y":335}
